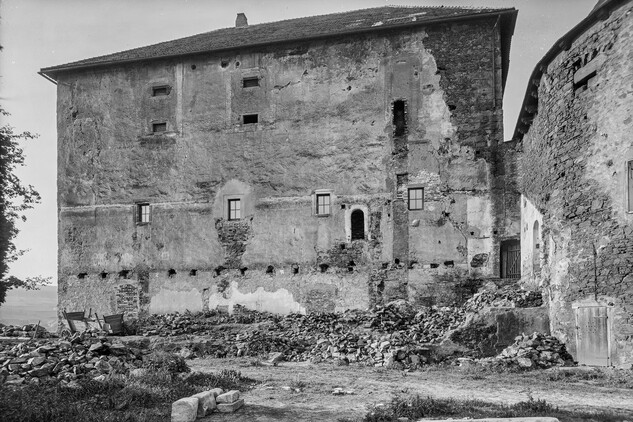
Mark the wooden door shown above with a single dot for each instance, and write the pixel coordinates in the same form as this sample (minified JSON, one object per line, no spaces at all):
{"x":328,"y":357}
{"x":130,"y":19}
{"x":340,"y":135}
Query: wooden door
{"x":592,"y":335}
{"x":510,"y":259}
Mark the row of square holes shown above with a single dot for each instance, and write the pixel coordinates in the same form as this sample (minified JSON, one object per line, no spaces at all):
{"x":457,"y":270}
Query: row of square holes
{"x":269,"y":270}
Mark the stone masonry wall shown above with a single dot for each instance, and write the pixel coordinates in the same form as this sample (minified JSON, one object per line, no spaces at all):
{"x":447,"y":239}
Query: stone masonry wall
{"x":573,"y":171}
{"x":325,"y":121}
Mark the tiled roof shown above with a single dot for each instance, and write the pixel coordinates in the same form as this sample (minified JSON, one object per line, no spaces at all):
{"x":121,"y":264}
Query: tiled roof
{"x":287,"y":30}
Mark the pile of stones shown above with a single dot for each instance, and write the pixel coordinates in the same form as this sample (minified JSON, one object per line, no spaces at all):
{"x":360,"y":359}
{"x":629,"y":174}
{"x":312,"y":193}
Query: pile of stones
{"x":392,"y":335}
{"x":202,"y":404}
{"x":507,"y":297}
{"x":175,"y":324}
{"x":533,"y":351}
{"x":65,"y":360}
{"x":28,"y":330}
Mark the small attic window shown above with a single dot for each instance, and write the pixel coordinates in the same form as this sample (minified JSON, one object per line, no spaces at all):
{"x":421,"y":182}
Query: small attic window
{"x":159,"y":127}
{"x":250,"y":82}
{"x":160,"y":91}
{"x":249,"y":119}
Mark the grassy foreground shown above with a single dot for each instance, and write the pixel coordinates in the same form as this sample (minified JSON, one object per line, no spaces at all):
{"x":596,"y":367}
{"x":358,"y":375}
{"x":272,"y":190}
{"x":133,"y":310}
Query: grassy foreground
{"x":146,"y":398}
{"x":415,"y":407}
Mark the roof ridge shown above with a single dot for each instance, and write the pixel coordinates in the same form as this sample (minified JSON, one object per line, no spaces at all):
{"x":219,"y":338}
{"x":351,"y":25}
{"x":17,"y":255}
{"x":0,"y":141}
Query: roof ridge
{"x":291,"y":29}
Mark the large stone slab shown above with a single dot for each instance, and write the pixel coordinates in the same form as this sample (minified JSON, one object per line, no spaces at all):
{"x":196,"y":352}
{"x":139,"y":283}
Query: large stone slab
{"x":230,"y":407}
{"x":228,"y":397}
{"x":184,"y":410}
{"x":206,"y":403}
{"x":526,"y":419}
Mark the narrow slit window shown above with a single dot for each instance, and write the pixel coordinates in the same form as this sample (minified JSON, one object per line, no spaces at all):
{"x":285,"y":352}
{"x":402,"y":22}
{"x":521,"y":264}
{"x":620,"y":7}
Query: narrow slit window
{"x":142,"y":213}
{"x":235,"y":209}
{"x":323,"y":204}
{"x":249,"y":119}
{"x":416,"y":198}
{"x":159,"y":91}
{"x":159,"y":127}
{"x":630,"y":184}
{"x":250,"y":82}
{"x":399,"y":118}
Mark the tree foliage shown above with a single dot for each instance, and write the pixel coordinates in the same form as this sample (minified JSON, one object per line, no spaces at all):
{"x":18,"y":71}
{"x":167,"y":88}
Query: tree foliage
{"x":15,"y":198}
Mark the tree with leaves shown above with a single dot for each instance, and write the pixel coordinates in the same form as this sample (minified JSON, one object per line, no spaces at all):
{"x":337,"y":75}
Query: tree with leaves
{"x":15,"y":198}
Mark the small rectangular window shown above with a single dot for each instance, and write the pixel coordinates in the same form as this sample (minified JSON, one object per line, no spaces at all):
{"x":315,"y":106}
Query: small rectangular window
{"x":630,"y":182}
{"x":235,"y":209}
{"x":250,"y":119}
{"x":323,"y":204}
{"x":142,"y":213}
{"x":416,"y":198}
{"x":158,"y":91}
{"x":159,"y":127}
{"x":250,"y":82}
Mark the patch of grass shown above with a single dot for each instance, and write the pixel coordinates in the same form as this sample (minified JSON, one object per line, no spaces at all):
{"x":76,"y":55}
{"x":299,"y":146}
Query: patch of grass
{"x":118,"y":399}
{"x":171,"y":362}
{"x":415,"y":407}
{"x":602,"y":377}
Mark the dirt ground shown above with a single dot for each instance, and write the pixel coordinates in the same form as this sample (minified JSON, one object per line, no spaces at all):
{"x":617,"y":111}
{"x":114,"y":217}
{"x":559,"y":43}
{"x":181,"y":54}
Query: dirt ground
{"x":303,"y":391}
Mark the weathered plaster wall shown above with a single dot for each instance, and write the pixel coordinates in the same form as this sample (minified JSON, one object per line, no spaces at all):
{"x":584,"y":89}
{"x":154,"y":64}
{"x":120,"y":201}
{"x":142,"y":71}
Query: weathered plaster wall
{"x":324,"y":122}
{"x":573,"y":169}
{"x":531,"y":257}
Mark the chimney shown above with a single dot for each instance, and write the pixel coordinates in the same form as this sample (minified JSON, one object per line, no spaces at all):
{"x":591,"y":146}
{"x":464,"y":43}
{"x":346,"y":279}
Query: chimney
{"x":241,"y":21}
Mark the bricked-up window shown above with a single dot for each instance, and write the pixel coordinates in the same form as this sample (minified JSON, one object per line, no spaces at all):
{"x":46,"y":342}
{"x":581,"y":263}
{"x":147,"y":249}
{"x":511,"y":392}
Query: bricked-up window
{"x":399,"y":118}
{"x":250,"y":82}
{"x":323,"y":204}
{"x":249,"y":119}
{"x":159,"y":127}
{"x":416,"y":198}
{"x":142,"y":213}
{"x":235,"y":209}
{"x":159,"y":91}
{"x":629,"y":167}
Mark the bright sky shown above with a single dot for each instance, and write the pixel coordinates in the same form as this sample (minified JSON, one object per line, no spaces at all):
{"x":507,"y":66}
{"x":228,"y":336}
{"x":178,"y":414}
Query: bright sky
{"x":42,"y":33}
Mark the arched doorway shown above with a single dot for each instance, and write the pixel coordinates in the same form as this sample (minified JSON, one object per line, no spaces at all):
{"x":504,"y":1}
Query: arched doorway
{"x":358,"y":225}
{"x":510,"y":259}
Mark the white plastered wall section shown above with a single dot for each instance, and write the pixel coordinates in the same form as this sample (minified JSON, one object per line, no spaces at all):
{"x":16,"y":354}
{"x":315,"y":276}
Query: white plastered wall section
{"x":530,"y":215}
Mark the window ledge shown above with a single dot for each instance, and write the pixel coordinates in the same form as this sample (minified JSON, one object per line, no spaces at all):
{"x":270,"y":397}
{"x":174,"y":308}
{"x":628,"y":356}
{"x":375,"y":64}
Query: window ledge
{"x":322,"y":215}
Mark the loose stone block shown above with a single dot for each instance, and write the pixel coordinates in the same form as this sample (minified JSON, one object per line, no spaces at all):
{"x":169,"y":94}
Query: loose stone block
{"x":184,"y":410}
{"x":206,"y":403}
{"x":229,"y":397}
{"x":216,"y":392}
{"x":230,"y":407}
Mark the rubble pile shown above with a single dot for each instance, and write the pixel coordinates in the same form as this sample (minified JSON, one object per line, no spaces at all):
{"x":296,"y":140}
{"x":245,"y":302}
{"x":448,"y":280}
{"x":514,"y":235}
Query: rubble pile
{"x":29,"y":330}
{"x":392,"y":335}
{"x":167,"y":325}
{"x":532,"y":352}
{"x":65,"y":360}
{"x":506,"y":297}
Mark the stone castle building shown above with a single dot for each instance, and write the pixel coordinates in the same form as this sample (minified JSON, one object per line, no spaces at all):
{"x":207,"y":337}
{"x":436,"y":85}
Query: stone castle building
{"x":576,"y":177}
{"x":312,"y":164}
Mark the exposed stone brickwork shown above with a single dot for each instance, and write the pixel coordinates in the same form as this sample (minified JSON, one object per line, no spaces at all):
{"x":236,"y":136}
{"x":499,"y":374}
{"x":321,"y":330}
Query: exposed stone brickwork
{"x":573,"y":172}
{"x":127,"y":300}
{"x":233,"y":236}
